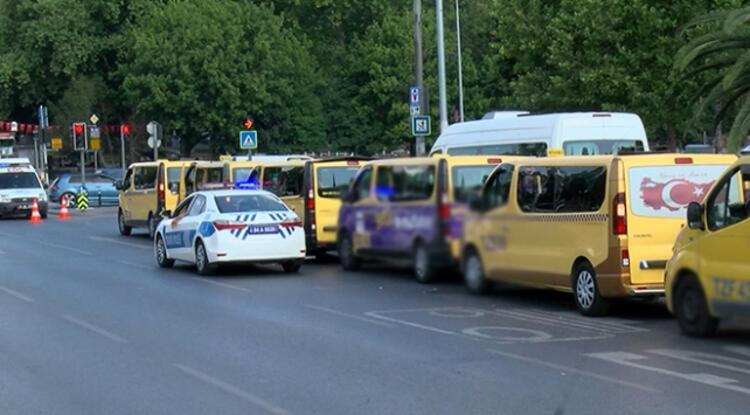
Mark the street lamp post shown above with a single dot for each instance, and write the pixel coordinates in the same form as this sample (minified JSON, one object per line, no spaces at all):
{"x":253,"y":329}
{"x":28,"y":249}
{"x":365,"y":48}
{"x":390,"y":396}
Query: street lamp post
{"x":460,"y":66}
{"x":441,"y":66}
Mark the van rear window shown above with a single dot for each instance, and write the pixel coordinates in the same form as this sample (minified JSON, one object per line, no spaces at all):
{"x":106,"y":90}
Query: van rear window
{"x":405,"y":183}
{"x":331,"y":180}
{"x":666,"y":191}
{"x":467,"y":180}
{"x":283,"y":181}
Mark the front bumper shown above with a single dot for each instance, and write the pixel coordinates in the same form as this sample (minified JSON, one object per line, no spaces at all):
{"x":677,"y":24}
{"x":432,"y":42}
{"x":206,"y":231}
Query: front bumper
{"x":20,"y":208}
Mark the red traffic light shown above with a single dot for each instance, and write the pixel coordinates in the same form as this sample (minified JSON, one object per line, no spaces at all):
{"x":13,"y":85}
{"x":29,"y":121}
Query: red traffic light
{"x":125,"y":129}
{"x":78,"y":128}
{"x":248,"y":122}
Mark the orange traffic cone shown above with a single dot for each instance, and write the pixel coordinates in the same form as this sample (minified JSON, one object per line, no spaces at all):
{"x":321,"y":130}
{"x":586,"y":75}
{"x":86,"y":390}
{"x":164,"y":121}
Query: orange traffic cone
{"x":35,"y":216}
{"x":64,"y":214}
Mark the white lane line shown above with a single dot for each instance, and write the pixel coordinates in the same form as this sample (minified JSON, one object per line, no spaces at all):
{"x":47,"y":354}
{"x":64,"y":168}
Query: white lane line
{"x":119,"y":242}
{"x":374,"y":314}
{"x":572,"y":370}
{"x":348,"y":315}
{"x":627,"y":359}
{"x":708,"y":359}
{"x":16,"y":294}
{"x":88,"y":326}
{"x":232,"y":390}
{"x":65,"y":248}
{"x":221,"y":284}
{"x":740,"y":350}
{"x":134,"y":264}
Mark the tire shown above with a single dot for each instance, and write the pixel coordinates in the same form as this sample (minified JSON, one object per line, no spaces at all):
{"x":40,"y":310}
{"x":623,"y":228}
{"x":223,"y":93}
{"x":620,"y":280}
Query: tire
{"x":160,"y":253}
{"x":424,"y":271}
{"x":292,"y":267}
{"x":124,"y":229}
{"x":691,"y":309}
{"x":202,"y":263}
{"x":71,"y":200}
{"x":349,"y":260}
{"x":474,"y":274}
{"x":586,"y":291}
{"x":152,"y":224}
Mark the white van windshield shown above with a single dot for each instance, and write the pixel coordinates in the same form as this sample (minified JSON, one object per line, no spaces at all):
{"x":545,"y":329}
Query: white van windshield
{"x":27,"y":180}
{"x":666,"y":191}
{"x":598,"y":147}
{"x":515,"y":149}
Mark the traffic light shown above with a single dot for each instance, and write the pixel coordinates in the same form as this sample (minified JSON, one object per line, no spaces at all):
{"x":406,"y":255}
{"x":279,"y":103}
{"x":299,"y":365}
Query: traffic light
{"x":80,"y":143}
{"x":248,"y":122}
{"x":125,"y":130}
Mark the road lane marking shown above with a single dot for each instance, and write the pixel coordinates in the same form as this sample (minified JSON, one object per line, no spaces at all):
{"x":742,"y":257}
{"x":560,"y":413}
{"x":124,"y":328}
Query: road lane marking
{"x":66,"y":248}
{"x":572,"y":370}
{"x":16,"y":294}
{"x":118,"y":242}
{"x":740,"y":350}
{"x":134,"y":264}
{"x":93,"y":328}
{"x":221,"y":284}
{"x":708,"y":359}
{"x":627,"y":359}
{"x":571,"y":321}
{"x":375,"y":314}
{"x":232,"y":390}
{"x":348,"y":315}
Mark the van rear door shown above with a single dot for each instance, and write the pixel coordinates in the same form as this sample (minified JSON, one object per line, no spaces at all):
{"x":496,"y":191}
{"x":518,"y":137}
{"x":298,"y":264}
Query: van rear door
{"x":658,"y":192}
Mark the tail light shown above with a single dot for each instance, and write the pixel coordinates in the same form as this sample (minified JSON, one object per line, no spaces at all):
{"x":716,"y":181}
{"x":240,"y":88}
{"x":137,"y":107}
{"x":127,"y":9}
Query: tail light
{"x":683,"y":160}
{"x":619,"y":215}
{"x":225,"y":225}
{"x":310,"y":206}
{"x":291,"y":223}
{"x":161,"y":188}
{"x":444,"y":212}
{"x":625,"y":257}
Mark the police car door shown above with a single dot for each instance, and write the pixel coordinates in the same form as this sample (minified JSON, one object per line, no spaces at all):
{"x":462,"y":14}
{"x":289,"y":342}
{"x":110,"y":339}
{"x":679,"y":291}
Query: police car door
{"x":174,"y":238}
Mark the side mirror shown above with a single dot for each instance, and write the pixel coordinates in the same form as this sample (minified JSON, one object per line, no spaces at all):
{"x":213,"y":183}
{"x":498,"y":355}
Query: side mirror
{"x":476,"y":203}
{"x":346,"y":195}
{"x":695,"y":216}
{"x":165,"y":214}
{"x":118,"y":184}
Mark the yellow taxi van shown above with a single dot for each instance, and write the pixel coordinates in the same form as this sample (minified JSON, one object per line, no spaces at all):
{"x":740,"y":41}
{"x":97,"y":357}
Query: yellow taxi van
{"x":410,"y":210}
{"x":323,"y":182}
{"x":147,"y":190}
{"x":708,"y":277}
{"x":601,"y":227}
{"x":204,"y":175}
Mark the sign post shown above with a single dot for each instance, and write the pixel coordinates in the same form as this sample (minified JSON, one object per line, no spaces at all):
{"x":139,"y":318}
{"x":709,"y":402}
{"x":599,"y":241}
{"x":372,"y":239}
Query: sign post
{"x":415,"y":111}
{"x":154,"y":137}
{"x":421,"y":126}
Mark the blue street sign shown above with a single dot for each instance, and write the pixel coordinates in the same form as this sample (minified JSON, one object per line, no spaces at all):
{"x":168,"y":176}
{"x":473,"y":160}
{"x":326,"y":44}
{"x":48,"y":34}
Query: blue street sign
{"x":421,"y":125}
{"x":415,"y":96}
{"x":248,"y":140}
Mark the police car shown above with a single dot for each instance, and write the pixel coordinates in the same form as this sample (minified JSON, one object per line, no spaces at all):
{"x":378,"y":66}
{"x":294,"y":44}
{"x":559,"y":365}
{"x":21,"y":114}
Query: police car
{"x":216,"y":227}
{"x":19,"y":186}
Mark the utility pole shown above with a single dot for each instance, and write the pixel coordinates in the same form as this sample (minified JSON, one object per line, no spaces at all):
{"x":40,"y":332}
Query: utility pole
{"x":441,"y":66}
{"x":460,"y":67}
{"x":418,"y":72}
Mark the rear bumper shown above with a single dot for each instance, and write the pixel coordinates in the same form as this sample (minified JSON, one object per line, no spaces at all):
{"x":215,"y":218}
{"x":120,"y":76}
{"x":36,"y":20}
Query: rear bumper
{"x":268,"y":248}
{"x":619,"y":286}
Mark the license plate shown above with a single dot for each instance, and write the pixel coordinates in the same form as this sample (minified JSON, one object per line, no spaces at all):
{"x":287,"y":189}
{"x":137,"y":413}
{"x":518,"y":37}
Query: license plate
{"x":25,"y":207}
{"x":262,"y":229}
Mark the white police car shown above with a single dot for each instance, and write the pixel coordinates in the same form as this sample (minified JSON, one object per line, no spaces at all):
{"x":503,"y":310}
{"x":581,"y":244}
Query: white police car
{"x":19,"y":187}
{"x":210,"y":228}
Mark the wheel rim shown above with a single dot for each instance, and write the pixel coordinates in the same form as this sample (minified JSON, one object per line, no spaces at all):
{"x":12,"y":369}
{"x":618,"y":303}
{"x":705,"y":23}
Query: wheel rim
{"x":585,"y":289}
{"x":200,"y":258}
{"x":161,"y":253}
{"x":420,"y":262}
{"x":473,"y":271}
{"x":70,"y":201}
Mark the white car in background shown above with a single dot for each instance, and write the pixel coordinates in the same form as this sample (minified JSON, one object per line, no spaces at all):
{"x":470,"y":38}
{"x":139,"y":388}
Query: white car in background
{"x":210,"y":228}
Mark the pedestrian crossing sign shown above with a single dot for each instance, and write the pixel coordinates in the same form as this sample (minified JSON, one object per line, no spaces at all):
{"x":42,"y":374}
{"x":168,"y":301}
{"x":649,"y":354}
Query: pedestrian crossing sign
{"x":420,"y":125}
{"x":249,"y":140}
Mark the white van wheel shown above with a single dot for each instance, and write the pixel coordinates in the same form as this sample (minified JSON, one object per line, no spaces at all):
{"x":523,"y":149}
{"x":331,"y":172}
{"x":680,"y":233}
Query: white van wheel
{"x":586,"y":292}
{"x":474,"y":274}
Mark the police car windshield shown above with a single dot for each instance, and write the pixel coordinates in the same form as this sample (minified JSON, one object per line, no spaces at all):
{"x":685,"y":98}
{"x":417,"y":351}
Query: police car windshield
{"x":18,"y":180}
{"x":248,"y":203}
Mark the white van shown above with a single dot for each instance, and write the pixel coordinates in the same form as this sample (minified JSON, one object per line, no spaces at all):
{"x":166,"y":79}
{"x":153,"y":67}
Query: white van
{"x":19,"y":186}
{"x":525,"y":134}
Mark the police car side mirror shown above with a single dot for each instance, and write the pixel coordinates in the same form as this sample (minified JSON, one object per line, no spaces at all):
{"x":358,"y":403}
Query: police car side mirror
{"x":695,"y":216}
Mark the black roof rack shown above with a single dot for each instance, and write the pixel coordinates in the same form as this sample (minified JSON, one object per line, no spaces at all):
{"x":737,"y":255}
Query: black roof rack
{"x":343,"y":158}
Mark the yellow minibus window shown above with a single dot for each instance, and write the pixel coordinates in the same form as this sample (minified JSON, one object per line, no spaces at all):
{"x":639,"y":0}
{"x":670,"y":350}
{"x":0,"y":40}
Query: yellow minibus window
{"x":468,"y":180}
{"x":283,"y":181}
{"x":173,"y":179}
{"x":331,"y":180}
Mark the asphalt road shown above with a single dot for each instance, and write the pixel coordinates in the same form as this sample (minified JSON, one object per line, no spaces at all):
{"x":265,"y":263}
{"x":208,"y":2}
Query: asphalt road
{"x":89,"y":325}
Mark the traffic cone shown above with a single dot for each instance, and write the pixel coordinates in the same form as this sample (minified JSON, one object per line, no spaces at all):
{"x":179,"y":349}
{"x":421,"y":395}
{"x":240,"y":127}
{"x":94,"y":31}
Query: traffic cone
{"x":35,"y":216}
{"x":64,"y":214}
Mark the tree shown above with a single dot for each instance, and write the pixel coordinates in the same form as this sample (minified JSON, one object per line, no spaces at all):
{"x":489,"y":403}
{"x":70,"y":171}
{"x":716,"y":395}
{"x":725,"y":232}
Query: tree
{"x":724,"y":54}
{"x":199,"y":67}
